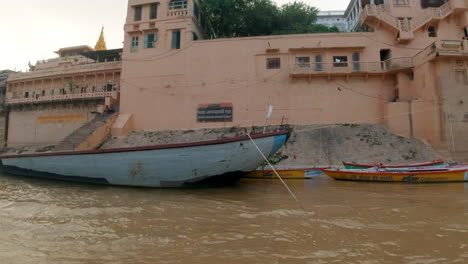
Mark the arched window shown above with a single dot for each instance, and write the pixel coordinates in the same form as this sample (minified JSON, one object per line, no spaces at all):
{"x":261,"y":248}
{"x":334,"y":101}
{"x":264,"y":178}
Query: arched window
{"x":178,"y":4}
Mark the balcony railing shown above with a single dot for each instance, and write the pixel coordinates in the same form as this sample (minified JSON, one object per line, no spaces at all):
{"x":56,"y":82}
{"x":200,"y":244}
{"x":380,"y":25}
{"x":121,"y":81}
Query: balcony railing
{"x":319,"y":68}
{"x":69,"y":69}
{"x":380,"y":12}
{"x":177,"y":12}
{"x":442,"y":48}
{"x":61,"y":97}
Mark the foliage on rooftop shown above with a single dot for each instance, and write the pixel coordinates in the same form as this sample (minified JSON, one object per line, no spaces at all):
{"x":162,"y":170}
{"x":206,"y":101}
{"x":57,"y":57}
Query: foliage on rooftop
{"x":244,"y":18}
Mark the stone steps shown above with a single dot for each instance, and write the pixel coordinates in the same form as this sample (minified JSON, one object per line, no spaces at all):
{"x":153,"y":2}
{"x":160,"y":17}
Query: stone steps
{"x":78,"y":136}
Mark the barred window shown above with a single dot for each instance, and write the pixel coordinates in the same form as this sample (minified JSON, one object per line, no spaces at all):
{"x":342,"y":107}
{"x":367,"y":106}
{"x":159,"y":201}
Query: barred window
{"x":178,"y":4}
{"x":401,"y":2}
{"x":138,"y":10}
{"x":340,"y":61}
{"x":273,"y":63}
{"x":154,"y":11}
{"x":150,"y":41}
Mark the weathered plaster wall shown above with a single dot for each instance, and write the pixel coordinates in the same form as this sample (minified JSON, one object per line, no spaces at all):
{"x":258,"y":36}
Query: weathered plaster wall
{"x":48,"y":125}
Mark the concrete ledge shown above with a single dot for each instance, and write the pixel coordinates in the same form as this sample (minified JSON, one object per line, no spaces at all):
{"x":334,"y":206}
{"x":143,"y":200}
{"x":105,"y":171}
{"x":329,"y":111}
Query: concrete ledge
{"x":122,"y":125}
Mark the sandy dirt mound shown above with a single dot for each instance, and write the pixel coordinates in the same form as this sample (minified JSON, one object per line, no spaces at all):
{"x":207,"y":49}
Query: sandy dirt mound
{"x":309,"y":146}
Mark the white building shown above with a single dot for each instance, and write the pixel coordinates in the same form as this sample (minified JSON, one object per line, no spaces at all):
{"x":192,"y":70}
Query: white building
{"x":333,"y":18}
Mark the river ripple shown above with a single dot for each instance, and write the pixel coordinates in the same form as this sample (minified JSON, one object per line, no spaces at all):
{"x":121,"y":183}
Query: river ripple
{"x":254,"y":221}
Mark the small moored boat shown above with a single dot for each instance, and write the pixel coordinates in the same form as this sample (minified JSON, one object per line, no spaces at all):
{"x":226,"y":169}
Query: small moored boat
{"x":286,"y":174}
{"x":175,"y":165}
{"x":408,"y":165}
{"x":410,"y":175}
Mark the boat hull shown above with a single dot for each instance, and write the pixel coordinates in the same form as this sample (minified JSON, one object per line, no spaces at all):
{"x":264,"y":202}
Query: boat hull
{"x":166,"y":166}
{"x":415,"y":177}
{"x":354,"y":166}
{"x":286,"y":174}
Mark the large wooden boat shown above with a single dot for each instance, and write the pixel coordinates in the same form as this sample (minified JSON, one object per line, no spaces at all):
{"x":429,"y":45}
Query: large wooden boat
{"x":407,"y":165}
{"x":286,"y":174}
{"x":410,"y":175}
{"x":175,"y":165}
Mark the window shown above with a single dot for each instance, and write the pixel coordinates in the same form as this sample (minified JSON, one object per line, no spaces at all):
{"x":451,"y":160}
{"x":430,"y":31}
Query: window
{"x":356,"y":61}
{"x":401,"y":2}
{"x":273,"y":63}
{"x":303,"y":62}
{"x":138,"y":10}
{"x":26,"y":95}
{"x":432,"y":32}
{"x":178,"y":4}
{"x":432,"y":3}
{"x":153,"y":11}
{"x":150,"y":41}
{"x":318,"y":63}
{"x":340,"y":61}
{"x":135,"y":41}
{"x":175,"y":39}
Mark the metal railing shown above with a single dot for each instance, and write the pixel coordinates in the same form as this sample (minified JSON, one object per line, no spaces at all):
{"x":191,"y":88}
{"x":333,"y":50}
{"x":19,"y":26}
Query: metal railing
{"x":69,"y":69}
{"x":353,"y":66}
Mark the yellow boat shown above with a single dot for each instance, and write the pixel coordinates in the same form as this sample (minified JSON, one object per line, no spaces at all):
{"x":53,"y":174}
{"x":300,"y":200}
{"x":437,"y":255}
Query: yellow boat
{"x":409,"y":175}
{"x":286,"y":174}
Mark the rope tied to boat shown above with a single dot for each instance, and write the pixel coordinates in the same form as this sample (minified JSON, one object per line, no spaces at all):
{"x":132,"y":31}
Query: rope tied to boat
{"x":276,"y":173}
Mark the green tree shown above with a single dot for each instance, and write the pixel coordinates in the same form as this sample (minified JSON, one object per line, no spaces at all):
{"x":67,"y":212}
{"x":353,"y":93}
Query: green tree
{"x":261,"y":18}
{"x":240,"y":18}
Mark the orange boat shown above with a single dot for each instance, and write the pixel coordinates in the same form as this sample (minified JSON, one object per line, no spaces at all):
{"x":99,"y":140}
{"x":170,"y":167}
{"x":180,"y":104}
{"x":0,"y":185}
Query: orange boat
{"x":409,"y":175}
{"x":438,"y":162}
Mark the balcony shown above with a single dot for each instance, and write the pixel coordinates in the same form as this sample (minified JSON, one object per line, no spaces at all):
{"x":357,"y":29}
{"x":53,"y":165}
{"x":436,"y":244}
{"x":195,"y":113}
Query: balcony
{"x":61,"y":98}
{"x":67,"y":70}
{"x":352,"y":68}
{"x":450,"y":48}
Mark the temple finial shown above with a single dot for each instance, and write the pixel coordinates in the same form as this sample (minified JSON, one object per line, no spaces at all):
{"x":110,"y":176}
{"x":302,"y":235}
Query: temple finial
{"x":101,"y":43}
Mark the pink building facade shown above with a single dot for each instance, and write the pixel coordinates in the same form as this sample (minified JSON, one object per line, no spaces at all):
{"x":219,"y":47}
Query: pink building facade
{"x":60,"y":95}
{"x":408,"y":72}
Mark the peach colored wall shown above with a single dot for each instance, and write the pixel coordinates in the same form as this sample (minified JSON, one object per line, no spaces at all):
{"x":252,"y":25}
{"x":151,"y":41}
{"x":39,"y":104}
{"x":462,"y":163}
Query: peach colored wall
{"x":162,"y":88}
{"x":398,"y":117}
{"x":26,"y":128}
{"x":235,"y":71}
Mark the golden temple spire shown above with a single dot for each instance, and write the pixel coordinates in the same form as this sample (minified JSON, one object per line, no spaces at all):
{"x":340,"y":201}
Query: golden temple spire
{"x":101,"y":43}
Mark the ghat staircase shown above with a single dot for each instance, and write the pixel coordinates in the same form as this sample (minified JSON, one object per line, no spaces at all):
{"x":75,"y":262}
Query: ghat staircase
{"x":89,"y":136}
{"x":405,"y":28}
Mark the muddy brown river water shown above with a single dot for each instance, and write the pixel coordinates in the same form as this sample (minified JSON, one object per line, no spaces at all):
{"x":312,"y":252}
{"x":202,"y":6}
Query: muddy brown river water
{"x":254,"y":221}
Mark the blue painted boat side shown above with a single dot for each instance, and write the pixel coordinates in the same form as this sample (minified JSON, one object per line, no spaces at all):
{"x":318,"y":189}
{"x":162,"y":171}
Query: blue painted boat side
{"x":151,"y":168}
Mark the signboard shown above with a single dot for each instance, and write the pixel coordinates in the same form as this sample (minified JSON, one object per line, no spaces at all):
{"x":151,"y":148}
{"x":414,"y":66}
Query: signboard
{"x":79,"y":118}
{"x":215,"y":113}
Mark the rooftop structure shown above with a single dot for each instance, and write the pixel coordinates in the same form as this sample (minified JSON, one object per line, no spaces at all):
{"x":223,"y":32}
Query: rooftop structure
{"x":49,"y":103}
{"x":333,"y":19}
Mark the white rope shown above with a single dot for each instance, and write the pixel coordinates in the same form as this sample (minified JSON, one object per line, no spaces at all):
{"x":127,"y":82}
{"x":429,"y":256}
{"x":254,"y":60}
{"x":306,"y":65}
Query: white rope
{"x":271,"y":166}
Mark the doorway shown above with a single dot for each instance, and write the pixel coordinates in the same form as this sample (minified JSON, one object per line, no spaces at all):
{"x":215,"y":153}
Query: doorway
{"x":385,"y":55}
